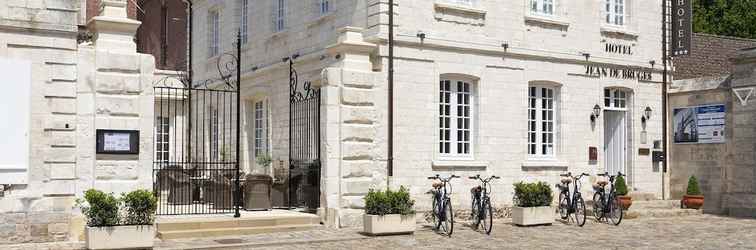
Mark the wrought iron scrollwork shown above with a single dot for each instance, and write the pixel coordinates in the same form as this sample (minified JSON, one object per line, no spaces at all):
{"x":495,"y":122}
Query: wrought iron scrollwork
{"x":306,"y":93}
{"x":226,"y":80}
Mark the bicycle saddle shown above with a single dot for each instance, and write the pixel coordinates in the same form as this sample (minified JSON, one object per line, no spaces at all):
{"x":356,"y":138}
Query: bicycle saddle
{"x":602,"y":183}
{"x":566,"y":180}
{"x":476,"y":189}
{"x":437,"y":184}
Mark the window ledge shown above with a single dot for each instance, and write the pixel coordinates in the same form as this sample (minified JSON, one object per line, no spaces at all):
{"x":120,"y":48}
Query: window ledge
{"x":547,"y":20}
{"x":544,"y":164}
{"x":461,"y":8}
{"x":439,"y":165}
{"x":619,"y":30}
{"x":322,"y":18}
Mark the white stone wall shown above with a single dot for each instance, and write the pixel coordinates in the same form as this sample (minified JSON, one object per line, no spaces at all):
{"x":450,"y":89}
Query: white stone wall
{"x":496,"y":42}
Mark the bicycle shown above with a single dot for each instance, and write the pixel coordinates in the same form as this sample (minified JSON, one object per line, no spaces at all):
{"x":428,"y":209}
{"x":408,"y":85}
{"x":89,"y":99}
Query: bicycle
{"x":443,"y":217}
{"x":576,"y":205}
{"x":607,"y":204}
{"x":481,"y":203}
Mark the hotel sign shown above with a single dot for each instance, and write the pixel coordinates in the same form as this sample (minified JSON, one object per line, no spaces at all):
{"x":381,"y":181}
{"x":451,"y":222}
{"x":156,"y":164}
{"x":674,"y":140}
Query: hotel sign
{"x":620,"y":73}
{"x":682,"y":27}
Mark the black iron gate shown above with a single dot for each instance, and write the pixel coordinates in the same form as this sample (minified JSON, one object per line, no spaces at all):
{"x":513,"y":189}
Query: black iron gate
{"x":304,"y":143}
{"x":196,"y":143}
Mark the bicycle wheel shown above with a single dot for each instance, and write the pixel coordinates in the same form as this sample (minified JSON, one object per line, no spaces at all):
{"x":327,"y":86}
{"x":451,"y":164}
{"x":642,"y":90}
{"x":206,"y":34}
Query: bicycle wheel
{"x":615,"y":211}
{"x":448,"y":218}
{"x":435,"y":220}
{"x":475,"y":214}
{"x":564,"y":206}
{"x":598,"y":206}
{"x":487,"y":216}
{"x":580,"y":211}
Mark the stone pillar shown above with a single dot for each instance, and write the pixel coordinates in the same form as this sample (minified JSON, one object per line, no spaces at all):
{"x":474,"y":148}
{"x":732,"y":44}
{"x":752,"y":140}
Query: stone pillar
{"x":352,"y":156}
{"x":115,"y":92}
{"x":740,"y":193}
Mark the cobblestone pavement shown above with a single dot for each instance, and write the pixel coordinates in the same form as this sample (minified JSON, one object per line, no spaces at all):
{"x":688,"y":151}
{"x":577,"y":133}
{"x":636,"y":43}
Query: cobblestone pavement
{"x":690,"y":232}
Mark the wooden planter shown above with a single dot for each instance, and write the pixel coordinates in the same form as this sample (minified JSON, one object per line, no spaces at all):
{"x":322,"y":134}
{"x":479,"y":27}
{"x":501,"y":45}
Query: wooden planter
{"x":693,"y":201}
{"x":120,"y":237}
{"x":625,"y":201}
{"x":389,"y":224}
{"x":530,"y":216}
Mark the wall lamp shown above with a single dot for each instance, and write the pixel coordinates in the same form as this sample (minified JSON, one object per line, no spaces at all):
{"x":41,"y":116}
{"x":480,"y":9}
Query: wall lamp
{"x":652,"y":62}
{"x":421,"y":35}
{"x":596,"y":112}
{"x":646,"y":115}
{"x":587,"y":56}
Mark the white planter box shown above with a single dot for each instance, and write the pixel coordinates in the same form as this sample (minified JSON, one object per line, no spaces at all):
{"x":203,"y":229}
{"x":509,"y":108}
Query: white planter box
{"x":389,"y":224}
{"x":528,"y":216}
{"x":120,"y":237}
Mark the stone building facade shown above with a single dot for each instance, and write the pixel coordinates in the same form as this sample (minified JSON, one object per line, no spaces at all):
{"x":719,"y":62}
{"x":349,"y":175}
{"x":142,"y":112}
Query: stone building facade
{"x":62,"y":93}
{"x":725,"y":170}
{"x":711,"y":56}
{"x":502,"y":88}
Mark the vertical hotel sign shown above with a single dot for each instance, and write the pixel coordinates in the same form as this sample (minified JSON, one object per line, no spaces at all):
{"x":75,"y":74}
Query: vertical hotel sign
{"x":682,"y":27}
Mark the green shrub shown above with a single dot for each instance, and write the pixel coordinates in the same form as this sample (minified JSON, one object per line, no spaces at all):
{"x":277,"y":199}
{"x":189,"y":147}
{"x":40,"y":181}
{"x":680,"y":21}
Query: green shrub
{"x":620,"y":185}
{"x":693,"y":186}
{"x":389,"y":202}
{"x":263,"y":160}
{"x":532,"y":194}
{"x":139,"y":207}
{"x":101,"y":208}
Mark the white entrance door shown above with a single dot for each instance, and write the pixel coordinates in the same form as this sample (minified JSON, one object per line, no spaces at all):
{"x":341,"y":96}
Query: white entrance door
{"x":615,"y":141}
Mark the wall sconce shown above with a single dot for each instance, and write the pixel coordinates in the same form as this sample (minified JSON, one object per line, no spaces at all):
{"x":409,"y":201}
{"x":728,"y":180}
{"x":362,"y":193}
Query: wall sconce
{"x":587,"y":56}
{"x":421,"y":35}
{"x":652,"y":62}
{"x":596,"y":113}
{"x":646,"y":115}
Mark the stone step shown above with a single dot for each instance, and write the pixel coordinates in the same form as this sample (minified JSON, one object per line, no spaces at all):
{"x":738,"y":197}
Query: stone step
{"x":232,"y":231}
{"x":661,"y":213}
{"x":249,"y":223}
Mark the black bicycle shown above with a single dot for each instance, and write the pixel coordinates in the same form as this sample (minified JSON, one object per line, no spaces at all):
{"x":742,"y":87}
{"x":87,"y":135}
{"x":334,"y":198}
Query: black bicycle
{"x":576,"y":205}
{"x":607,"y":205}
{"x":482,"y":211}
{"x":443,"y":217}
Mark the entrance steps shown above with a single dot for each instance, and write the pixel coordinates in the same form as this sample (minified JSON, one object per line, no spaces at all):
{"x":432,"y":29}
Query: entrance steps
{"x":651,"y":209}
{"x":194,"y":226}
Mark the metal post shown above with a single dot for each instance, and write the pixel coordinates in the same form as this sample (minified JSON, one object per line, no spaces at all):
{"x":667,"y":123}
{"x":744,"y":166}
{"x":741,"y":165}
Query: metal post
{"x":291,"y":123}
{"x":390,"y":163}
{"x":664,"y":94}
{"x":238,"y":119}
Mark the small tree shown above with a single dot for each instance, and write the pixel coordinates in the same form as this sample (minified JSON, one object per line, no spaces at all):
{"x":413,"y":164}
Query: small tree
{"x":693,"y":186}
{"x":620,"y":185}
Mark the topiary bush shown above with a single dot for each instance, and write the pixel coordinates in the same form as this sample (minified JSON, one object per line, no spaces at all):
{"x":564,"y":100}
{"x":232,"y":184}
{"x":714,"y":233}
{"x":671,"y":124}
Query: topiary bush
{"x":139,"y":207}
{"x":693,"y":186}
{"x":532,"y":194}
{"x":389,"y":202}
{"x":620,"y":185}
{"x":101,"y":209}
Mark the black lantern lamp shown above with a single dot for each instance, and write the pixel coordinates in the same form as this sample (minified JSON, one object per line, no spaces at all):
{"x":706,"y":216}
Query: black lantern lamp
{"x":646,"y":114}
{"x":596,"y":112}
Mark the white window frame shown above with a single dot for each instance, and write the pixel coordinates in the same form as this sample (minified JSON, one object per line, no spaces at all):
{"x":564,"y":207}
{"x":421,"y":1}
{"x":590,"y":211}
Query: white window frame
{"x":452,"y":137}
{"x":542,"y":7}
{"x":279,"y":14}
{"x":215,"y":131}
{"x":162,"y":139}
{"x":616,"y":99}
{"x":213,"y":17}
{"x":540,"y":124}
{"x":325,"y":6}
{"x":244,"y":21}
{"x":616,"y":12}
{"x":261,"y":127}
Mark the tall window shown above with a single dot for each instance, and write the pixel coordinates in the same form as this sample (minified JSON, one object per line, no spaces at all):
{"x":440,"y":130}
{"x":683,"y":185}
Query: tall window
{"x":541,"y":121}
{"x":214,"y":134}
{"x":279,"y":15}
{"x":163,"y":35}
{"x":244,"y":21}
{"x":162,"y":139}
{"x":543,"y":7}
{"x":261,"y":133}
{"x":214,"y":33}
{"x":615,"y":12}
{"x":325,"y":6}
{"x":455,"y":118}
{"x":615,"y":99}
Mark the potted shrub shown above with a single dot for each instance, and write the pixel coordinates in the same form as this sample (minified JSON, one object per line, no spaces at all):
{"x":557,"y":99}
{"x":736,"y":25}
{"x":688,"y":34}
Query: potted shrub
{"x":693,"y":197}
{"x":109,"y":227}
{"x":621,"y":188}
{"x":532,"y":204}
{"x":389,"y":212}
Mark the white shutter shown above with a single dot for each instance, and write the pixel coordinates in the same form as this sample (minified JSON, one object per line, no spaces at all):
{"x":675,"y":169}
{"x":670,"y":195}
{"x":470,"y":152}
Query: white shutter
{"x":15,"y":110}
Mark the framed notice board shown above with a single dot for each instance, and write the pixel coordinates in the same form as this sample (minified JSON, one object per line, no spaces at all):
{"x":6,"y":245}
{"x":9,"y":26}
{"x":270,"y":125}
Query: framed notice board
{"x":111,"y":141}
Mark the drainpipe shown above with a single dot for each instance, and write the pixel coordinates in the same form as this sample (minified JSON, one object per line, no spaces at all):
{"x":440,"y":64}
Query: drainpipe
{"x":390,"y":164}
{"x":189,"y":74}
{"x":664,"y":96}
